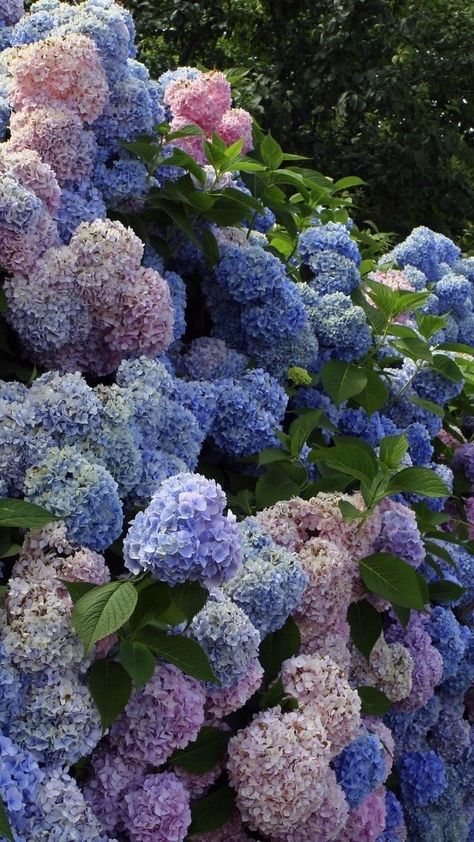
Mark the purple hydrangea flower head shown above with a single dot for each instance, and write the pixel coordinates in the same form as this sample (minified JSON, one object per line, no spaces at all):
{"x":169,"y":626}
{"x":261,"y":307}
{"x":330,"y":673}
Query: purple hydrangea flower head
{"x":183,"y":533}
{"x":400,"y":534}
{"x":228,"y":637}
{"x":165,"y":715}
{"x":211,"y":359}
{"x":158,"y":811}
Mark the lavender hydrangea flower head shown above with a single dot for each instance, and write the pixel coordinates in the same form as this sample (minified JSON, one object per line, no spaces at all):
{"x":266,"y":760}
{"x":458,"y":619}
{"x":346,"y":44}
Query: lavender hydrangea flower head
{"x":20,"y":778}
{"x":158,"y":811}
{"x":165,"y":715}
{"x":183,"y":534}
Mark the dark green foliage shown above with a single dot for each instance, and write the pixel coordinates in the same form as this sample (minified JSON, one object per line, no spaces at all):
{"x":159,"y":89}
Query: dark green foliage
{"x":378,"y":88}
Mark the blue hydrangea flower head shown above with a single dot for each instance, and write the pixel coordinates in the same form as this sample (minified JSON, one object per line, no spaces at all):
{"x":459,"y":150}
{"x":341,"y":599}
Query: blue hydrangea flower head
{"x":426,"y":250}
{"x":360,"y":768}
{"x":228,"y":637}
{"x":419,"y":440}
{"x":454,"y":293}
{"x":268,"y":587}
{"x":20,"y":777}
{"x":249,"y":412}
{"x":81,"y":493}
{"x":83,"y":203}
{"x":20,"y":208}
{"x":332,"y":272}
{"x":422,"y":777}
{"x":333,"y":236}
{"x":64,"y":405}
{"x":446,"y":634}
{"x":184,"y":534}
{"x":340,"y":325}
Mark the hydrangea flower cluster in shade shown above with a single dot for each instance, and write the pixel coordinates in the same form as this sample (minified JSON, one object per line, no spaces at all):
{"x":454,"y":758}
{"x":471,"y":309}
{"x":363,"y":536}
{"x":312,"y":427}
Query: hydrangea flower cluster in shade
{"x":183,"y":534}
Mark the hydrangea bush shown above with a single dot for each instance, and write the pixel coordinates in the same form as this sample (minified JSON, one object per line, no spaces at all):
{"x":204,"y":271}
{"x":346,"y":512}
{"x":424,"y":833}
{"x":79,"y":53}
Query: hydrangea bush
{"x":237,"y":506}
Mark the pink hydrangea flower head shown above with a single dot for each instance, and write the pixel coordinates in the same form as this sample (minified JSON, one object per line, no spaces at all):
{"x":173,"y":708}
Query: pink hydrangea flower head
{"x":202,"y":101}
{"x":367,"y":822}
{"x":328,"y":821}
{"x":222,"y":701}
{"x":64,"y":71}
{"x":58,"y":135}
{"x":167,"y":714}
{"x":108,"y":256}
{"x":276,"y":765}
{"x":192,"y":144}
{"x":293,"y":522}
{"x":236,"y":124}
{"x":330,"y":571}
{"x":158,"y":810}
{"x":321,"y":686}
{"x":27,"y":167}
{"x":333,"y":643}
{"x":143,"y":321}
{"x":111,"y":777}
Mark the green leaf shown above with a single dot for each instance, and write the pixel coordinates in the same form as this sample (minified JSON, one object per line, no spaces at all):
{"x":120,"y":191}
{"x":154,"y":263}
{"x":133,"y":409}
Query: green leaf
{"x":421,"y":481}
{"x":137,"y":660}
{"x":5,"y":829}
{"x":447,"y":367}
{"x":278,"y":646}
{"x":202,"y":755}
{"x":403,"y":614}
{"x":190,"y":130}
{"x":331,"y":482}
{"x":441,"y":552}
{"x":429,"y":405}
{"x":144,"y":148}
{"x":350,"y":459}
{"x":273,"y":696}
{"x":349,"y":181}
{"x":111,"y":687}
{"x":152,"y":603}
{"x":429,"y":325}
{"x":274,"y":485}
{"x":445,"y":591}
{"x":414,"y":348}
{"x":210,"y":248}
{"x":77,"y":590}
{"x":213,"y":811}
{"x":393,"y":579}
{"x":342,"y":380}
{"x":374,"y":395}
{"x":3,"y":592}
{"x":273,"y":454}
{"x":348,"y":511}
{"x":8,"y":547}
{"x":458,"y":347}
{"x":189,"y":597}
{"x":374,"y":702}
{"x":393,"y":449}
{"x":23,"y":515}
{"x":181,"y":651}
{"x":271,"y":152}
{"x":102,"y":611}
{"x":366,"y":626}
{"x":301,"y":429}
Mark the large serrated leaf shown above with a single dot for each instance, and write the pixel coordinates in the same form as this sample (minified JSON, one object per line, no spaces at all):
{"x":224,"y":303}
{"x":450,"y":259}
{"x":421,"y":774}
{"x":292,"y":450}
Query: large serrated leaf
{"x":103,"y":610}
